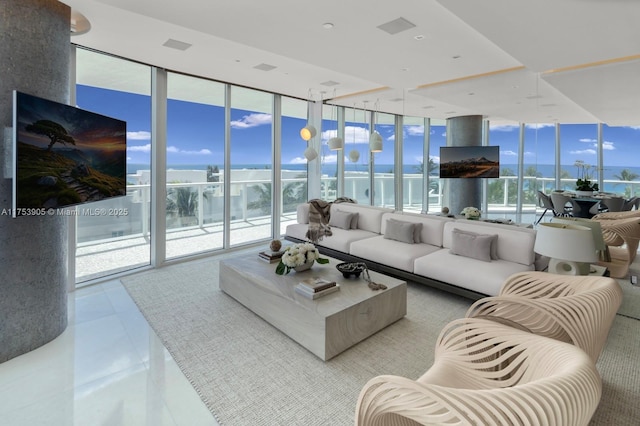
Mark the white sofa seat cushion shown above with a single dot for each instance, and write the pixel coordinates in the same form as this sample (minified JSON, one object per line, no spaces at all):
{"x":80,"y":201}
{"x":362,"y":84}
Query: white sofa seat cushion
{"x":514,"y":244}
{"x":340,"y":240}
{"x":391,"y":252}
{"x":481,"y":277}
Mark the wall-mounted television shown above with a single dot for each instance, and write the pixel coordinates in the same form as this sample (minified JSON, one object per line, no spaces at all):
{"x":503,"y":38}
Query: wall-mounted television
{"x":470,"y":162}
{"x":64,"y":156}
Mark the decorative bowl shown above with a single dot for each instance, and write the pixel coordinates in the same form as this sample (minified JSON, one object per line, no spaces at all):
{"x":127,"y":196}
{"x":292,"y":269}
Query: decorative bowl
{"x":350,"y":269}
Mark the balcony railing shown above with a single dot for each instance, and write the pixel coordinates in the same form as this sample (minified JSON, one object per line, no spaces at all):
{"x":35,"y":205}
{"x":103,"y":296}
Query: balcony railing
{"x":203,"y":208}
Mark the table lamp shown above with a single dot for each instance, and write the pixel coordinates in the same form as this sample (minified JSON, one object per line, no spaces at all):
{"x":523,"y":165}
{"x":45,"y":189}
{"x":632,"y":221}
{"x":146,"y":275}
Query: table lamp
{"x":571,"y":248}
{"x":596,"y":228}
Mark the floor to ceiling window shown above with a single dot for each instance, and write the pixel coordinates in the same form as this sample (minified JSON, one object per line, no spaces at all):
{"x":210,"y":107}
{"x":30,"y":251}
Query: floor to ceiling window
{"x":579,"y":144}
{"x":195,"y":160}
{"x":621,"y":174}
{"x":356,"y":147}
{"x":251,"y":153}
{"x":437,"y":139}
{"x":109,"y":243}
{"x":384,"y":177}
{"x":329,"y":157}
{"x":293,"y":173}
{"x":502,"y":192}
{"x":414,"y":165}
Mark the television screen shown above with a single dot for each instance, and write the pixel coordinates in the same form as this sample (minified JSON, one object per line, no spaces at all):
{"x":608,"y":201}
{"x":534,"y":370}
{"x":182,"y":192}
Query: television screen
{"x":469,"y":161}
{"x":63,"y":155}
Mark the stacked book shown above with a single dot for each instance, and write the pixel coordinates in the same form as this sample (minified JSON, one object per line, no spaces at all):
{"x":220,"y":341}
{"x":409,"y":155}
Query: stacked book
{"x":270,"y":256}
{"x":316,"y":287}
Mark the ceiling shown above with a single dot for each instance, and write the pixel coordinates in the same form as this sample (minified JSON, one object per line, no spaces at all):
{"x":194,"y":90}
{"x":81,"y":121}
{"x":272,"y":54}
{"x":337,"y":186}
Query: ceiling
{"x":544,"y":61}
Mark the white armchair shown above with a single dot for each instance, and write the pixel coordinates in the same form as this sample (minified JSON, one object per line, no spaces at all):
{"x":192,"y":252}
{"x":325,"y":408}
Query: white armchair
{"x":573,"y":309}
{"x":487,"y":373}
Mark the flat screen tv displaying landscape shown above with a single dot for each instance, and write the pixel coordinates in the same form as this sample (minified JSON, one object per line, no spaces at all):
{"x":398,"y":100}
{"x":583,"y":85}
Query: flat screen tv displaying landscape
{"x":470,"y":162}
{"x":64,"y":156}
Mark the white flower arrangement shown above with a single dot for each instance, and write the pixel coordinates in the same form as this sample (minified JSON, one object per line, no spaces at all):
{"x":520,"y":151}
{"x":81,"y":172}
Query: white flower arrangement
{"x":298,"y":255}
{"x":471,"y":213}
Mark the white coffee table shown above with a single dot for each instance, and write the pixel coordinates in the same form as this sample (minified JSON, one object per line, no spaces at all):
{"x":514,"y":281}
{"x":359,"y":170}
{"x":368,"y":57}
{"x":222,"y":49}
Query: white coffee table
{"x":326,"y":326}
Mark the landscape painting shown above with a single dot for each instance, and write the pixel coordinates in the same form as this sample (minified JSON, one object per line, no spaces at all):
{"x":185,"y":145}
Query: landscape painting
{"x":470,"y":162}
{"x":65,"y":155}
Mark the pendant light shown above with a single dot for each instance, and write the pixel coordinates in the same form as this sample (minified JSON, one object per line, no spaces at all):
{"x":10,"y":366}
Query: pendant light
{"x":375,"y":140}
{"x":310,"y":154}
{"x":308,"y":132}
{"x":354,"y":154}
{"x":336,"y":143}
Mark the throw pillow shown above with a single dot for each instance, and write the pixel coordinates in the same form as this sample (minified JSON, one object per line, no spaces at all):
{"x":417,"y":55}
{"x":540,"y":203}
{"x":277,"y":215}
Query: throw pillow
{"x":494,"y":241}
{"x":354,"y":220}
{"x":417,"y":229}
{"x":400,"y":231}
{"x":471,"y":244}
{"x":340,"y":219}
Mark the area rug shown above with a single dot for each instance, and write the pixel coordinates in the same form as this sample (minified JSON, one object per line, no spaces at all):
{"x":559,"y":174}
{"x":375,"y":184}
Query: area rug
{"x":249,"y":373}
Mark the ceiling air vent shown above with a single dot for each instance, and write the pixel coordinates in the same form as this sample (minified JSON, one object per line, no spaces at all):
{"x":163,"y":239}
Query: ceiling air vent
{"x":396,"y":26}
{"x":175,"y":44}
{"x":265,"y":67}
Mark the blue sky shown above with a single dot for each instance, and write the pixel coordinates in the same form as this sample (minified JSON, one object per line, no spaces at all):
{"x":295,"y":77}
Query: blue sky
{"x":195,"y":134}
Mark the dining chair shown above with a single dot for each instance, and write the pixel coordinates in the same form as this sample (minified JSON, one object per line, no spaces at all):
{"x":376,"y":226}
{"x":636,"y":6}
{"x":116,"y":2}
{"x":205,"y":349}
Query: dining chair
{"x":630,"y":204}
{"x":613,"y":204}
{"x":560,"y":202}
{"x":544,"y":201}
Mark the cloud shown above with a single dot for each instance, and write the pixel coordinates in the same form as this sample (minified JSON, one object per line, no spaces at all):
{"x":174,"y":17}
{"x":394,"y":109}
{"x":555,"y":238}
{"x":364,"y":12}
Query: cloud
{"x":298,"y":160}
{"x":251,"y":120}
{"x":139,"y":136}
{"x":584,"y":151}
{"x":176,"y":150}
{"x":539,"y":125}
{"x":414,"y":130}
{"x":509,"y":153}
{"x":608,"y":146}
{"x":504,"y":127}
{"x":588,"y":140}
{"x":139,"y":148}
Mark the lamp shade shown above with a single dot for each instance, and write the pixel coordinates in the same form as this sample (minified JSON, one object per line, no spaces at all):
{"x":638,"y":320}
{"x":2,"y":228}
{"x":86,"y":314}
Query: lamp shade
{"x":310,"y":154}
{"x":375,"y":142}
{"x":336,"y":144}
{"x":308,"y":132}
{"x":354,"y":155}
{"x":570,"y":247}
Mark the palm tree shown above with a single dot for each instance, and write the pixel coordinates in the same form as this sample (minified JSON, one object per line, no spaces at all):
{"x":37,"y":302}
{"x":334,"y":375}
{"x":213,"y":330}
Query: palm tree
{"x":627,"y":175}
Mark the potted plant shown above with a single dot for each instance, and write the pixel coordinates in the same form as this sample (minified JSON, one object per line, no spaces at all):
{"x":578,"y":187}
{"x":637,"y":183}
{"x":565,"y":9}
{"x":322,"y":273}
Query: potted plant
{"x":584,"y":186}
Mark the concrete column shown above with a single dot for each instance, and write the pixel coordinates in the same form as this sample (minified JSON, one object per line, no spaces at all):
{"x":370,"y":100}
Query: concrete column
{"x":460,"y":193}
{"x":34,"y":58}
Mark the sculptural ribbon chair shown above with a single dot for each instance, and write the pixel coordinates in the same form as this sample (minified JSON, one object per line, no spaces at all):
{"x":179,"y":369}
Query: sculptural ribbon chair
{"x":573,"y":309}
{"x":487,"y":373}
{"x":622,"y":237}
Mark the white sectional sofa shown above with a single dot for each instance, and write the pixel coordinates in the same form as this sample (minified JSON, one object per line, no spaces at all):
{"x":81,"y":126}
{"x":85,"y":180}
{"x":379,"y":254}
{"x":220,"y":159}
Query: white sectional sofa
{"x":467,"y":257}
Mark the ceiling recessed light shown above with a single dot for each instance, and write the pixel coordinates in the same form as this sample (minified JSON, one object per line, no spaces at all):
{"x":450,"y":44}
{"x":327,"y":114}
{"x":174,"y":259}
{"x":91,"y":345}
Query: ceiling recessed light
{"x":419,"y":37}
{"x":404,"y":69}
{"x":327,"y":25}
{"x":456,"y":57}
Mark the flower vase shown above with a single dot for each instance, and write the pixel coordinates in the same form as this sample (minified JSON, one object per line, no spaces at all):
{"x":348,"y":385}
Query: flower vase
{"x":305,"y":266}
{"x":584,"y":193}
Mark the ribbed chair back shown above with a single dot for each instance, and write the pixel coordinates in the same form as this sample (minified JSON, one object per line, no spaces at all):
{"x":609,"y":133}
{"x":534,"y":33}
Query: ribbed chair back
{"x":573,"y":309}
{"x":487,"y":373}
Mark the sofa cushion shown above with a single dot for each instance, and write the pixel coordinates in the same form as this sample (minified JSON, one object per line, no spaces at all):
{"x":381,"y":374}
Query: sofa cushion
{"x":340,"y":240}
{"x":493,"y":238}
{"x":481,"y":277}
{"x":390,"y":252}
{"x":341,"y":219}
{"x":405,"y":232}
{"x":472,"y":244}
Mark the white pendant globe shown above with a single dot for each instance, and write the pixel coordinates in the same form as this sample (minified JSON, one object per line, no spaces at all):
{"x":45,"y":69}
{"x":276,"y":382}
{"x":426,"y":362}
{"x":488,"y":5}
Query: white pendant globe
{"x":336,"y":144}
{"x":310,"y":154}
{"x":354,"y":155}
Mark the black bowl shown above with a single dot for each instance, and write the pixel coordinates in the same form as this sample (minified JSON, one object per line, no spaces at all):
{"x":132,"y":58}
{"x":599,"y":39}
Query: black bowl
{"x":350,"y":269}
